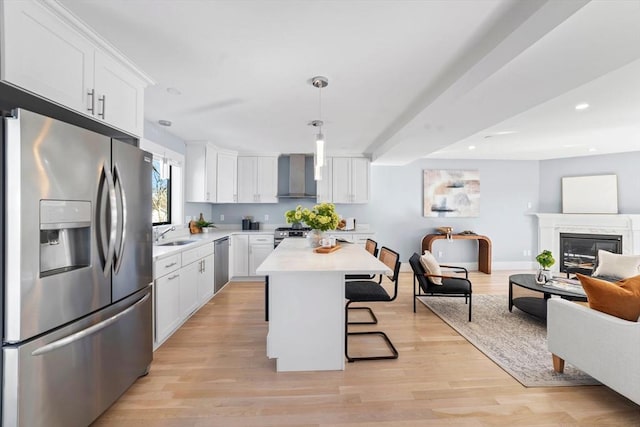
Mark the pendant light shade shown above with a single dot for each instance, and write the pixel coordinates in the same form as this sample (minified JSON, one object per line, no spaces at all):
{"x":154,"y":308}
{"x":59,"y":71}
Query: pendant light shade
{"x":320,"y":150}
{"x":165,"y":170}
{"x":319,"y":160}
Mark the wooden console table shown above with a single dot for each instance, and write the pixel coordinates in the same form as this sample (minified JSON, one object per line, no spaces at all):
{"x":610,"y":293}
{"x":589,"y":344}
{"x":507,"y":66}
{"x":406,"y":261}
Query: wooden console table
{"x":484,"y":247}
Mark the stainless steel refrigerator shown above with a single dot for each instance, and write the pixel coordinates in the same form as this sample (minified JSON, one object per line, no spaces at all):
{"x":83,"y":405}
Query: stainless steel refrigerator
{"x":77,"y":271}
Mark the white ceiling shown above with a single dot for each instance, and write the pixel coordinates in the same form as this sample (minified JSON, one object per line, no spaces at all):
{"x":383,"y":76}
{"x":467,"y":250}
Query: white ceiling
{"x":407,"y":79}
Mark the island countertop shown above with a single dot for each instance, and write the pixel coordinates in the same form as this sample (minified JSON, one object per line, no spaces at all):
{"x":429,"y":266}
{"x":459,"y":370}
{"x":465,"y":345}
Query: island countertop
{"x":294,"y":255}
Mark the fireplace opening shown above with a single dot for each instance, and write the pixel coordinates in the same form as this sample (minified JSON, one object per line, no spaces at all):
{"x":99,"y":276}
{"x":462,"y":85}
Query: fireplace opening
{"x":579,"y":252}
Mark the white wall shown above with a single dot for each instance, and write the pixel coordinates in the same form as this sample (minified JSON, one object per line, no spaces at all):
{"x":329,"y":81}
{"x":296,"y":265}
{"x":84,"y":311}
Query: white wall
{"x":624,"y":165}
{"x":506,"y":188}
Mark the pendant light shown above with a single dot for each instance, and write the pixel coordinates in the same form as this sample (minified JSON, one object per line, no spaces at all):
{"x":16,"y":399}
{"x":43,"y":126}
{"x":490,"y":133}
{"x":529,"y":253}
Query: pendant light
{"x":319,"y":160}
{"x":165,"y":171}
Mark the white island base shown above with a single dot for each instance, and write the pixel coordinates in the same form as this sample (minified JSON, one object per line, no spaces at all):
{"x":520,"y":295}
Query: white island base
{"x":307,"y":303}
{"x":306,"y":321}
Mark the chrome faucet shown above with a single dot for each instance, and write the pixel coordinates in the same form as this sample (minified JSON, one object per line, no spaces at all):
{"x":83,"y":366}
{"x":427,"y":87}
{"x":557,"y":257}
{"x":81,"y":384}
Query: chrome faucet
{"x":159,"y":235}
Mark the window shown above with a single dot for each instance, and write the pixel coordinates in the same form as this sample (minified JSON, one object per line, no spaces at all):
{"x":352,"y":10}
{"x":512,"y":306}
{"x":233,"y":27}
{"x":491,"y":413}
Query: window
{"x":160,"y":195}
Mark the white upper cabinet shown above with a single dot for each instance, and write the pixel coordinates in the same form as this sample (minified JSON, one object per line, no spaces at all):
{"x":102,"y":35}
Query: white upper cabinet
{"x":59,"y":63}
{"x":118,"y":96}
{"x":48,"y":52}
{"x":200,"y":172}
{"x":257,"y":179}
{"x":227,"y":178}
{"x":210,"y":174}
{"x":350,"y":180}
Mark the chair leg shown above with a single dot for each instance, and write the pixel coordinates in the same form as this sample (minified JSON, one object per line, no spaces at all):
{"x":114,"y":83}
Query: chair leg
{"x":346,"y":340}
{"x":387,"y":341}
{"x":373,"y":316}
{"x":414,"y":293}
{"x":469,"y":307}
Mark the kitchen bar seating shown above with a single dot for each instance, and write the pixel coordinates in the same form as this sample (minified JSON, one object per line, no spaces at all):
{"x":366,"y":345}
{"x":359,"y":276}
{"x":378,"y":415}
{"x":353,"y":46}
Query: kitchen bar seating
{"x":370,"y":246}
{"x":371,"y":291}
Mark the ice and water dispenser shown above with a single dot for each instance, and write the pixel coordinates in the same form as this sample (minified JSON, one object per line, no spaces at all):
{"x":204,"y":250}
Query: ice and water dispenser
{"x":65,"y":236}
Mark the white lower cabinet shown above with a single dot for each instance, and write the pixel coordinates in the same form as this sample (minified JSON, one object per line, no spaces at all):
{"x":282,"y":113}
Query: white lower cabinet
{"x":206,"y":280}
{"x":239,"y":255}
{"x":248,"y":252}
{"x":189,"y":289}
{"x":259,"y":248}
{"x":184,"y":282}
{"x":167,"y":310}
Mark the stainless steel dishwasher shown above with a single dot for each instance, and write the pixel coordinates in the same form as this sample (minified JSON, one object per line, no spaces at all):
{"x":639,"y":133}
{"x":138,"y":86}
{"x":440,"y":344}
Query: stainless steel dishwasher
{"x":221,"y":263}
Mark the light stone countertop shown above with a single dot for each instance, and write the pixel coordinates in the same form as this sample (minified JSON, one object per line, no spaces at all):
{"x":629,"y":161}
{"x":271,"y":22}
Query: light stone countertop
{"x":294,"y":255}
{"x":199,"y":239}
{"x":204,"y":238}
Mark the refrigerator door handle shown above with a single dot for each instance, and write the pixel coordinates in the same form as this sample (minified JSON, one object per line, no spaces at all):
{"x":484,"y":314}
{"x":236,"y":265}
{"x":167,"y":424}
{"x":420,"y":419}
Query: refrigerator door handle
{"x":123,"y":202}
{"x":111,"y":247}
{"x":86,"y":332}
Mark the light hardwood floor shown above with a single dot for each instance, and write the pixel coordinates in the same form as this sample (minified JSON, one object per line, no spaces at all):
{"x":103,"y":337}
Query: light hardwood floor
{"x":214,"y":372}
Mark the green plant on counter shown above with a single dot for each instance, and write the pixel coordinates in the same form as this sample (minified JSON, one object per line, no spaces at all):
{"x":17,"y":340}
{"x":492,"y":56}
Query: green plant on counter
{"x":545,"y":259}
{"x":321,"y":217}
{"x":201,"y":222}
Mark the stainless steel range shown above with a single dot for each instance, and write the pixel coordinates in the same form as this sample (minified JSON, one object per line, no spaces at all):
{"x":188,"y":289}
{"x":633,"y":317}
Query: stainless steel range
{"x":282,"y":233}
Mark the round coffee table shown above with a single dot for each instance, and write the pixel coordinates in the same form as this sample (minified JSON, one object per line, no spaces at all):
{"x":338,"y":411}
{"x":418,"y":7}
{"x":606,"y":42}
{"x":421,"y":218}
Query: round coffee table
{"x":536,"y":306}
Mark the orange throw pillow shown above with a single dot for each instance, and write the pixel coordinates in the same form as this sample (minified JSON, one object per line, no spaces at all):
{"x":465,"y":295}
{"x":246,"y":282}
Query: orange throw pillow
{"x":620,"y":299}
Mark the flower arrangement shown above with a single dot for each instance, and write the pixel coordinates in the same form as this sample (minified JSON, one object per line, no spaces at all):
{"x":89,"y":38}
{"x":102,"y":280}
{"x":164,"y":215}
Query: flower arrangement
{"x":321,"y":217}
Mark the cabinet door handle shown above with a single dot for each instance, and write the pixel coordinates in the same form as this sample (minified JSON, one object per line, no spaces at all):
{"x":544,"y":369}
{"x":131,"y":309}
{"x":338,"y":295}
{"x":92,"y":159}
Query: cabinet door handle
{"x":204,"y":265}
{"x":92,"y":95}
{"x":103,"y":99}
{"x":175,"y":276}
{"x":170,"y":265}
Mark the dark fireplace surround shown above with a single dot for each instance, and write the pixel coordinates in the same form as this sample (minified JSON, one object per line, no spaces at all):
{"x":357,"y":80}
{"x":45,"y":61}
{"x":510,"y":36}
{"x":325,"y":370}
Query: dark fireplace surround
{"x":579,"y":252}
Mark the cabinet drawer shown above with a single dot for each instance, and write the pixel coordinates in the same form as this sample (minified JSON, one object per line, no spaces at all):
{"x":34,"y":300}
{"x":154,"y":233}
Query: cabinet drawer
{"x":192,"y":255}
{"x":261,"y":239}
{"x":166,"y":265}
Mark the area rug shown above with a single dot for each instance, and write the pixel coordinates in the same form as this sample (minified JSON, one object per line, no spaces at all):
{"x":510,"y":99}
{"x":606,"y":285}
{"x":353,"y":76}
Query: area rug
{"x":515,"y":341}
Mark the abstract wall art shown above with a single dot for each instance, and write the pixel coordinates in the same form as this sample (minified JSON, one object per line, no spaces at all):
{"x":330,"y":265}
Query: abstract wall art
{"x":451,"y":193}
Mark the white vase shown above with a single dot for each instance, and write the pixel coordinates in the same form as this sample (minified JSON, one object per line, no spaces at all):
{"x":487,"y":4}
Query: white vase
{"x":543,"y":276}
{"x":313,"y":238}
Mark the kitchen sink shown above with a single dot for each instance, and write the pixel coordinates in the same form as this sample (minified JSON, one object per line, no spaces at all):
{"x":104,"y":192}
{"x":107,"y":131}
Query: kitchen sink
{"x":177,"y":243}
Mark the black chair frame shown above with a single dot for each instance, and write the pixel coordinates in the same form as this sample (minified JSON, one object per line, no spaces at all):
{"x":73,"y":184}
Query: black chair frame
{"x":385,"y":337}
{"x":374,"y":320}
{"x":421,"y":281}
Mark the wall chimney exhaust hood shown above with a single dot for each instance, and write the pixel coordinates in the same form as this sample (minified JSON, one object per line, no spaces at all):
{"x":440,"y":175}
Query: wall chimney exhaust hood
{"x":299,"y":182}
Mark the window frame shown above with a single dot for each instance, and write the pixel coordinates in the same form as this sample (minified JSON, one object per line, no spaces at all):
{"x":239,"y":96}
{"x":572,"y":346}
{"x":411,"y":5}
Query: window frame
{"x":169,"y":199}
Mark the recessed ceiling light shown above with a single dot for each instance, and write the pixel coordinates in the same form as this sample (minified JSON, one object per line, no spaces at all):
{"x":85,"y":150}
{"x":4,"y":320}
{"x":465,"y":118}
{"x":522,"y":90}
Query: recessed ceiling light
{"x":472,"y":147}
{"x":591,"y":150}
{"x":174,"y":91}
{"x":164,"y":122}
{"x":582,"y":106}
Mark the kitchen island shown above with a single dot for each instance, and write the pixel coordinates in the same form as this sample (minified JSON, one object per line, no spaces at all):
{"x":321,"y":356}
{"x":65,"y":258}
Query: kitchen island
{"x":307,"y":303}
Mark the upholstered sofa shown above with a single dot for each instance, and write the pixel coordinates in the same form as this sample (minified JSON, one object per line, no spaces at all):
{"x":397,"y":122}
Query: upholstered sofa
{"x":603,"y":346}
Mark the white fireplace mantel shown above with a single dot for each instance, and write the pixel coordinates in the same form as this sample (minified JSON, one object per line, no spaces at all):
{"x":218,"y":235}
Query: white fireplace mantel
{"x":550,"y":225}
